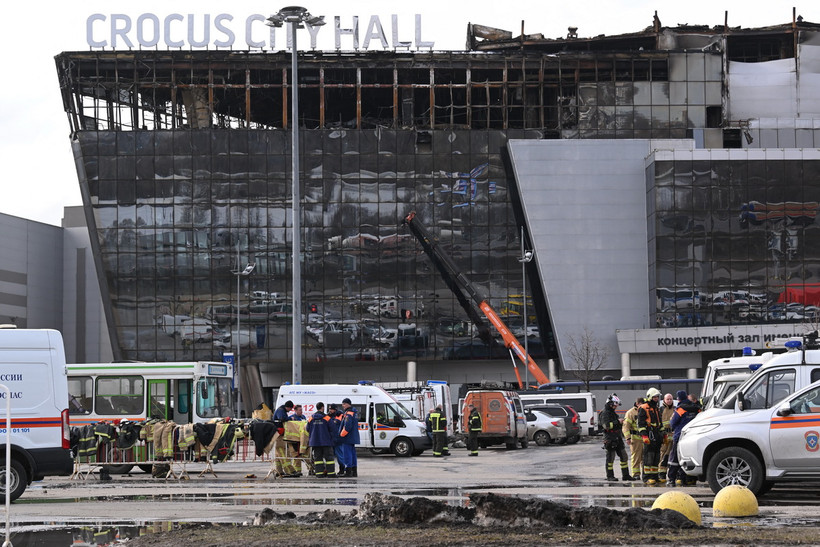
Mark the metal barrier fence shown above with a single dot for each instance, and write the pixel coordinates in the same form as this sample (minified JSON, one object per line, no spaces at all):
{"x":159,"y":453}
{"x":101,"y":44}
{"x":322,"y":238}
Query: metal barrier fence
{"x":105,"y":456}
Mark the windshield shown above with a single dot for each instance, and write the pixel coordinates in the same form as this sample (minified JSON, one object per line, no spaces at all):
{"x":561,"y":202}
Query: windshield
{"x":392,"y":414}
{"x":214,"y":398}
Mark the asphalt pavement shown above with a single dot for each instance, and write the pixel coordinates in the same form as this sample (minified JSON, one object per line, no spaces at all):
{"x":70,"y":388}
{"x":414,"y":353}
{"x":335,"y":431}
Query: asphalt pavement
{"x":235,"y":492}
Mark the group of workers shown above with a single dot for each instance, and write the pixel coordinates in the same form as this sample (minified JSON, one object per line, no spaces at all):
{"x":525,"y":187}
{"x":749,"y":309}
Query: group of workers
{"x":331,"y":437}
{"x":651,"y":429}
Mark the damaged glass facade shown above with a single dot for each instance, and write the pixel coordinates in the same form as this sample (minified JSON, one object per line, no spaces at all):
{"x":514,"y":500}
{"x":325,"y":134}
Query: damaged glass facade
{"x":174,"y":210}
{"x":735,"y":241}
{"x":183,"y":159}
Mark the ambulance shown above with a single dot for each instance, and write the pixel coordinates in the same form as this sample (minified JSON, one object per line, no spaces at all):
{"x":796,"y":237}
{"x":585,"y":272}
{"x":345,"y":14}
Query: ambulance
{"x":32,"y":367}
{"x":384,"y":423}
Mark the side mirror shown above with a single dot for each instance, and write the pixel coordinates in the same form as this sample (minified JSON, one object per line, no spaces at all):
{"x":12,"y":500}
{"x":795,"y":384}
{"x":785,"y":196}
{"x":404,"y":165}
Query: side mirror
{"x":741,"y":400}
{"x":203,"y":390}
{"x":784,"y":410}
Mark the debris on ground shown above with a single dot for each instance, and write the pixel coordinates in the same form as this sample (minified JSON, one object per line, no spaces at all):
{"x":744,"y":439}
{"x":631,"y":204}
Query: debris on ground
{"x":487,"y":510}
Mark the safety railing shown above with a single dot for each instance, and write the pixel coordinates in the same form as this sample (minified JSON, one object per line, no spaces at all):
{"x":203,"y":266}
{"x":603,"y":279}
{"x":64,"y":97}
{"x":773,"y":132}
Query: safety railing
{"x":168,"y":452}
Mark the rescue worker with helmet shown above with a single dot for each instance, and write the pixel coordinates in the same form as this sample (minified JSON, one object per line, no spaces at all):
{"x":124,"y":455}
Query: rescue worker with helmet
{"x":651,"y":431}
{"x":437,"y":423}
{"x":633,"y":439}
{"x":614,"y":439}
{"x":474,"y":427}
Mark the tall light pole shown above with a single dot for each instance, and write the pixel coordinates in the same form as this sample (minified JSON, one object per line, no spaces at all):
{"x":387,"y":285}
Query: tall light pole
{"x":524,"y":259}
{"x":295,"y":15}
{"x":239,"y":275}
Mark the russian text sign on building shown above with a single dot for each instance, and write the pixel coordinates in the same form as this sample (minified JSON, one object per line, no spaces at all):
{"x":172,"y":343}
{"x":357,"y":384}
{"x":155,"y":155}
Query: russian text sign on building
{"x":197,"y":31}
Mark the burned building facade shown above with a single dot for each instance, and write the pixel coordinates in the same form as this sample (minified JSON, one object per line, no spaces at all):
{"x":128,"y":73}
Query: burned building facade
{"x":183,"y":160}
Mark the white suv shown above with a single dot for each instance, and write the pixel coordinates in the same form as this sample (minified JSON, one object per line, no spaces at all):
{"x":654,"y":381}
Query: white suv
{"x":756,"y":448}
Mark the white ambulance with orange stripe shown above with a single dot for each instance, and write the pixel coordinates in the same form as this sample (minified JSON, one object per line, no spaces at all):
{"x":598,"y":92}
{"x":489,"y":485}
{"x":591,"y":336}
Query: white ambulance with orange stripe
{"x":32,"y":367}
{"x":757,"y":447}
{"x":384,"y":423}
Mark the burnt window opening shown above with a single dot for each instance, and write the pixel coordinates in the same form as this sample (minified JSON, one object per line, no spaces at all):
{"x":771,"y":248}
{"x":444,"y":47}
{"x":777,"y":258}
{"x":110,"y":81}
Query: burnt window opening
{"x":340,"y":107}
{"x":732,"y":138}
{"x":714,"y":116}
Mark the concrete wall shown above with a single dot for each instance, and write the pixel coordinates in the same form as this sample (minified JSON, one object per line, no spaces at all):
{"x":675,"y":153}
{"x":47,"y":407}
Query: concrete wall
{"x":585,"y":203}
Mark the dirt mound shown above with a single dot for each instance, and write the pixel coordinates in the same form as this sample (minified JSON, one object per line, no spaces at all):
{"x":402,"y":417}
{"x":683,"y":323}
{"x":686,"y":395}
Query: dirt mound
{"x":488,"y":510}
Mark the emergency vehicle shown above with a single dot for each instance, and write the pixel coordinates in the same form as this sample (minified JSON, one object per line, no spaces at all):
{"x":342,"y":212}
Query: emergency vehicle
{"x":422,"y":397}
{"x":756,"y":448}
{"x":384,"y":423}
{"x":502,"y":417}
{"x":747,"y":362}
{"x":32,"y":367}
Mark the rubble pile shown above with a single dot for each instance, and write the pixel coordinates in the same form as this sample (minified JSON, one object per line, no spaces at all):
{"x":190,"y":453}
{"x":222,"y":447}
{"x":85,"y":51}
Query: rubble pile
{"x":486,"y":510}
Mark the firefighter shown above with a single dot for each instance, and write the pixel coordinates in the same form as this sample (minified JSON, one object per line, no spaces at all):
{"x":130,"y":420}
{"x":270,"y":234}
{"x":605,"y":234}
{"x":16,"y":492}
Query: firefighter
{"x":474,"y":427}
{"x":437,"y":423}
{"x":320,"y":439}
{"x":614,"y":439}
{"x":651,"y":431}
{"x":633,"y":439}
{"x":667,"y":411}
{"x":284,"y":462}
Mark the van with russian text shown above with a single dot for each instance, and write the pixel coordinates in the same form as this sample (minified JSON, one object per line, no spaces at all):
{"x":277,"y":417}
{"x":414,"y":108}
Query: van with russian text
{"x":32,"y":367}
{"x":384,"y":423}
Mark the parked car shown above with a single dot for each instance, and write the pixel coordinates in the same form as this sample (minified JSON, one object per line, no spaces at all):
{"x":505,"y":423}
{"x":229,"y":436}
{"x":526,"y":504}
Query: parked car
{"x":543,"y":429}
{"x":570,"y":417}
{"x":755,"y":448}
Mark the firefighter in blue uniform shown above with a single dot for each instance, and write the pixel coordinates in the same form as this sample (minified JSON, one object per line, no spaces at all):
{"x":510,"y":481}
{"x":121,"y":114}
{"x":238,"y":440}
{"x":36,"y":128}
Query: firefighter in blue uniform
{"x":349,"y":433}
{"x":320,"y":441}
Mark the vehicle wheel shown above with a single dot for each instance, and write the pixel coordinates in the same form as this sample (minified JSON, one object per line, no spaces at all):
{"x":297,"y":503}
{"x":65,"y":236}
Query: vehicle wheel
{"x":18,"y":479}
{"x":402,"y":447}
{"x":735,"y":465}
{"x":120,"y":469}
{"x":146,"y":467}
{"x":541,"y":438}
{"x":482,"y":444}
{"x":511,"y":446}
{"x":573,"y":440}
{"x":562,"y":440}
{"x":525,"y":442}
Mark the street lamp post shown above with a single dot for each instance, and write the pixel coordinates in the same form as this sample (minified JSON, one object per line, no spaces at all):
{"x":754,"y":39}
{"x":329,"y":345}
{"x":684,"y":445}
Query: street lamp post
{"x":524,"y":259}
{"x":239,"y":275}
{"x":295,"y":15}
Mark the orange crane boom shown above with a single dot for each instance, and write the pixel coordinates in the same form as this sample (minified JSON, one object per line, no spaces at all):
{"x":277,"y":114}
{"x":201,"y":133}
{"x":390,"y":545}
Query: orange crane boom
{"x":459,"y":284}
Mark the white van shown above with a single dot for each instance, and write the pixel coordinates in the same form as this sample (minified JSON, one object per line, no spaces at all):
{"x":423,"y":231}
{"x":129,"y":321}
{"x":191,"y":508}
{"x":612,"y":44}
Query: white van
{"x":384,"y":423}
{"x":585,"y":404}
{"x":422,"y":397}
{"x":32,"y":366}
{"x":775,"y":380}
{"x":749,"y":361}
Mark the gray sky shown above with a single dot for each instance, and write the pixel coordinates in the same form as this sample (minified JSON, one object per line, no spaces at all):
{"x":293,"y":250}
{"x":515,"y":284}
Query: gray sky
{"x":39,"y":175}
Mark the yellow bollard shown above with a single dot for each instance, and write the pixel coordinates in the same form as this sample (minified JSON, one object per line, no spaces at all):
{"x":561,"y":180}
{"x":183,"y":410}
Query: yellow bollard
{"x":680,"y":502}
{"x":735,"y":501}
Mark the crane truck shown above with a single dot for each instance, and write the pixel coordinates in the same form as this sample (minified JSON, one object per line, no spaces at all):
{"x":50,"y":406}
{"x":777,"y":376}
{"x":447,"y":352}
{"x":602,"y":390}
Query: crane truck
{"x":464,"y":291}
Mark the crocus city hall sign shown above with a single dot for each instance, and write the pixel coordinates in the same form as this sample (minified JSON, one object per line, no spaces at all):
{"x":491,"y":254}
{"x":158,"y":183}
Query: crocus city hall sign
{"x":120,"y":31}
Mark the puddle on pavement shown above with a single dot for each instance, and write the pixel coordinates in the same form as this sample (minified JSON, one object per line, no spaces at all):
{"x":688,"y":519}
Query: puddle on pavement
{"x":47,"y":535}
{"x":227,"y":499}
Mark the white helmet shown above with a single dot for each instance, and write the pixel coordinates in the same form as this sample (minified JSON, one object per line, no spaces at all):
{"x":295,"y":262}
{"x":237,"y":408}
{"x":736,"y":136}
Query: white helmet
{"x":653,"y":392}
{"x":613,"y":400}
